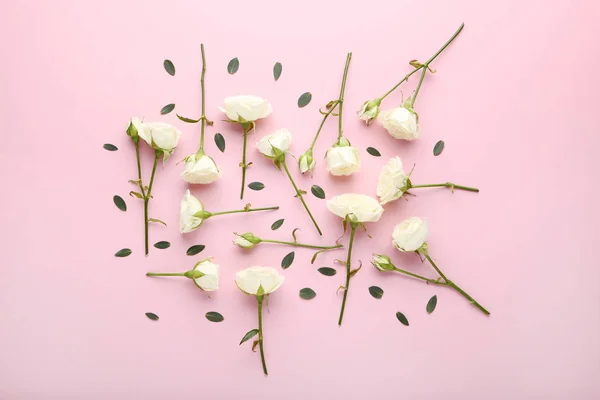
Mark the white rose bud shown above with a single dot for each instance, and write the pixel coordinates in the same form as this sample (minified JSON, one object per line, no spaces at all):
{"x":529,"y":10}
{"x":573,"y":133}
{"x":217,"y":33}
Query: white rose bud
{"x":410,"y":235}
{"x":393,"y":181}
{"x":246,"y":108}
{"x":252,"y":279}
{"x":200,"y":168}
{"x":382,"y":263}
{"x":355,"y":207}
{"x":280,"y":140}
{"x":209,"y":275}
{"x":307,"y":162}
{"x":188,"y":215}
{"x":369,"y":111}
{"x":401,"y":123}
{"x":342,"y":159}
{"x":247,"y":240}
{"x":160,"y":136}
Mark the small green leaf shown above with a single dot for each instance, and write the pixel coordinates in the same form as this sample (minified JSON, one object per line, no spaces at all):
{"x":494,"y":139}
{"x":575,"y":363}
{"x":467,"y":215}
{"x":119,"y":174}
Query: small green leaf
{"x":249,"y":335}
{"x":120,"y":203}
{"x":162,"y":245}
{"x":233,"y":66}
{"x":376,"y":292}
{"x":402,"y":318}
{"x":287,"y":260}
{"x":327,"y":271}
{"x":373,"y":151}
{"x":307,"y":294}
{"x":304,"y":99}
{"x":158,"y":221}
{"x":431,"y":304}
{"x":220,"y":142}
{"x":214,"y":316}
{"x":167,"y":109}
{"x":256,"y":186}
{"x":318,"y":191}
{"x":123,"y":253}
{"x":136,"y":194}
{"x":152,"y":316}
{"x":277,"y":68}
{"x":110,"y":147}
{"x":189,"y":120}
{"x":277,"y":224}
{"x":195,"y":249}
{"x":169,"y":67}
{"x":438,"y":148}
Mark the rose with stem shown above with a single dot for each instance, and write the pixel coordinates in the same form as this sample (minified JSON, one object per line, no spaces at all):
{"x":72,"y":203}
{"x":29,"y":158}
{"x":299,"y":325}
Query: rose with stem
{"x":248,"y":240}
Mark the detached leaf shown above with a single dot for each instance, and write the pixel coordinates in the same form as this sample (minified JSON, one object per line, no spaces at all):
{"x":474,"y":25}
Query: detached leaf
{"x":376,"y":292}
{"x":169,"y":67}
{"x":249,"y":335}
{"x":162,"y":245}
{"x":195,"y":249}
{"x":214,"y":316}
{"x":277,"y":68}
{"x":158,"y":221}
{"x":233,"y":66}
{"x":120,"y":203}
{"x":123,"y":253}
{"x":167,"y":109}
{"x":288,"y":260}
{"x":152,"y":316}
{"x":327,"y":271}
{"x":110,"y":147}
{"x":307,"y":294}
{"x":189,"y":120}
{"x":220,"y":142}
{"x":438,"y":148}
{"x":318,"y":191}
{"x":373,"y":151}
{"x":402,"y":318}
{"x":277,"y":224}
{"x":256,"y":186}
{"x":431,"y":304}
{"x":304,"y":99}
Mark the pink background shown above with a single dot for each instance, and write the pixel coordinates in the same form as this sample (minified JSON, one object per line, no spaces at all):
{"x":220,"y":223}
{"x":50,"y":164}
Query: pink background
{"x":515,"y":99}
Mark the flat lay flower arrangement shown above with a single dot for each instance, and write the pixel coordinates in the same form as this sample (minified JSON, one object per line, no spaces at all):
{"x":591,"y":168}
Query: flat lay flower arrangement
{"x":356,"y":211}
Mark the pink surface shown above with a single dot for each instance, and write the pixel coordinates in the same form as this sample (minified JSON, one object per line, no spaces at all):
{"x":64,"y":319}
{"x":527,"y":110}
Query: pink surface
{"x":515,"y":99}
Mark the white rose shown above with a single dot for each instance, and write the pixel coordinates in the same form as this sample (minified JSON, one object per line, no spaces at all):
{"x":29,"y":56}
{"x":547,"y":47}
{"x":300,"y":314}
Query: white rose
{"x":342,"y":160}
{"x":411,"y":234}
{"x":209,"y":282}
{"x":200,"y":169}
{"x":307,"y":162}
{"x":281,"y":140}
{"x":251,"y":279}
{"x":160,"y":136}
{"x":392,"y":181}
{"x":355,"y":207}
{"x":246,"y":108}
{"x":369,"y":111}
{"x":190,"y":205}
{"x":401,"y":123}
{"x":382,"y":263}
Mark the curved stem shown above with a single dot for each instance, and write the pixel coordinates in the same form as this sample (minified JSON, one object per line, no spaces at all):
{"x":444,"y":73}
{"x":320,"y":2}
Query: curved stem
{"x":450,"y":185}
{"x":308,"y":246}
{"x":342,"y":90}
{"x":203,"y":117}
{"x":244,"y":211}
{"x":299,"y":194}
{"x":348,"y":266}
{"x":165,"y":273}
{"x":260,"y":334}
{"x":147,"y":197}
{"x":327,"y":114}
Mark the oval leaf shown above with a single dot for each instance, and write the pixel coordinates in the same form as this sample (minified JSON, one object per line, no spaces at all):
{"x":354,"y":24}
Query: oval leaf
{"x":373,"y":151}
{"x":123,"y":253}
{"x":220,"y":142}
{"x":287,"y":260}
{"x":431,"y":304}
{"x":162,"y":245}
{"x":167,"y":109}
{"x":110,"y":147}
{"x":120,"y":203}
{"x":152,"y":316}
{"x":169,"y":67}
{"x":402,"y":318}
{"x":256,"y":186}
{"x":438,"y":148}
{"x":277,"y":224}
{"x":277,"y":68}
{"x":214,"y":316}
{"x":307,"y":294}
{"x":195,"y":249}
{"x":249,"y":335}
{"x":233,"y":66}
{"x":304,"y":99}
{"x":376,"y":292}
{"x":327,"y":271}
{"x":318,"y":191}
{"x":188,"y":120}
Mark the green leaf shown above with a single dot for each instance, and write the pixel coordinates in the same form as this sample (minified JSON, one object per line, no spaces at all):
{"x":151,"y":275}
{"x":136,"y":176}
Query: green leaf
{"x":249,"y":335}
{"x":233,"y":66}
{"x":214,"y":316}
{"x":189,"y":120}
{"x":438,"y":148}
{"x":373,"y":151}
{"x":431,"y":304}
{"x":158,"y":221}
{"x":402,"y":318}
{"x":110,"y":147}
{"x":167,"y":109}
{"x":152,"y":316}
{"x":120,"y":203}
{"x":169,"y":67}
{"x":376,"y":292}
{"x":304,"y":99}
{"x":256,"y":186}
{"x":162,"y":245}
{"x":220,"y":142}
{"x":287,"y":260}
{"x":123,"y":253}
{"x":277,"y":68}
{"x":307,"y":294}
{"x":277,"y":224}
{"x":327,"y":271}
{"x":318,"y":191}
{"x":195,"y":249}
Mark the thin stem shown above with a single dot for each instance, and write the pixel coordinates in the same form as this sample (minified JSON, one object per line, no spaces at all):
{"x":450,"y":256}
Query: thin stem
{"x":139,"y":166}
{"x":435,"y":266}
{"x":260,"y":334}
{"x":399,"y":83}
{"x":243,"y":211}
{"x":147,"y":197}
{"x":450,"y":185}
{"x":460,"y":28}
{"x":299,"y":194}
{"x":348,"y":266}
{"x":165,"y":273}
{"x":308,"y":246}
{"x":342,"y":90}
{"x":414,"y":97}
{"x":244,"y":165}
{"x":327,"y":114}
{"x":203,"y":117}
{"x":405,"y":272}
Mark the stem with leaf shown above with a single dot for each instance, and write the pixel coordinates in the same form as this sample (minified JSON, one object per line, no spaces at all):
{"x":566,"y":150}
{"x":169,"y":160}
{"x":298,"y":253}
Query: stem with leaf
{"x":260,"y":333}
{"x":247,"y":126}
{"x":449,"y":185}
{"x":244,"y":210}
{"x":348,"y":271}
{"x":299,"y":195}
{"x":147,"y":196}
{"x":308,"y":246}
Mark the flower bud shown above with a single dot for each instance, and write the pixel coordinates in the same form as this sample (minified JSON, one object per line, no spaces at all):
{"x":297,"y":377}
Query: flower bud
{"x":203,"y":214}
{"x":307,"y":162}
{"x":382,"y":263}
{"x":193,"y":274}
{"x":343,"y":142}
{"x":132,"y":129}
{"x":369,"y":111}
{"x":247,"y":240}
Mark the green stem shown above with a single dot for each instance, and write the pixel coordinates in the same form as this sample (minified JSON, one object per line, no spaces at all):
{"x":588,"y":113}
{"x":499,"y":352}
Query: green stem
{"x":139,"y":166}
{"x":450,"y":185}
{"x":243,"y":211}
{"x":399,"y":83}
{"x":414,"y":97}
{"x":260,"y":334}
{"x":165,"y":273}
{"x":299,"y":194}
{"x":460,"y":28}
{"x":342,"y":90}
{"x":244,"y":165}
{"x":405,"y":272}
{"x":327,"y":114}
{"x":348,"y":271}
{"x":147,"y":196}
{"x":296,"y":244}
{"x":203,"y":118}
